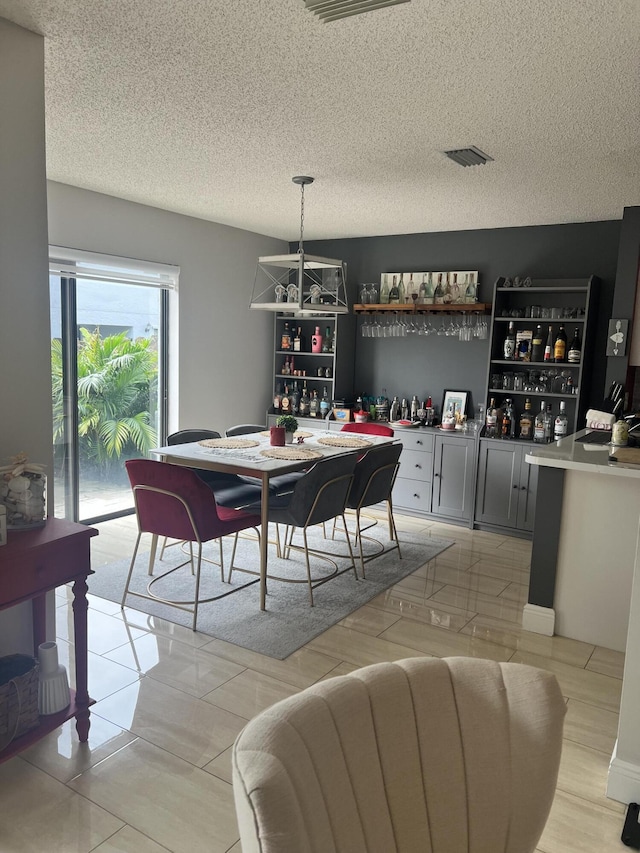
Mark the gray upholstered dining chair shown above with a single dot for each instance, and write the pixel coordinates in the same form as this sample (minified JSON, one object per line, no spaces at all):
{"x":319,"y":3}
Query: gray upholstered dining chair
{"x":243,"y":429}
{"x":319,"y":495}
{"x":447,"y":755}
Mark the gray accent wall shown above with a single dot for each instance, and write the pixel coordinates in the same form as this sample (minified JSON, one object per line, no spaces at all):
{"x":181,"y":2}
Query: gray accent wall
{"x":419,"y":365}
{"x":25,"y":379}
{"x":220,"y":350}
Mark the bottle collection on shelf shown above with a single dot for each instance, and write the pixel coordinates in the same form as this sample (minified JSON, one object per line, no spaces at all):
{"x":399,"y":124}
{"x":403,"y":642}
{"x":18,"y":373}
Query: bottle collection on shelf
{"x":294,"y":340}
{"x":301,"y":403}
{"x":543,"y":428}
{"x":529,"y":346}
{"x":440,"y":288}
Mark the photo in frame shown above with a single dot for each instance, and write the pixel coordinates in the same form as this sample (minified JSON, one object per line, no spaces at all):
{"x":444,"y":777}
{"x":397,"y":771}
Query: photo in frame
{"x":456,"y":400}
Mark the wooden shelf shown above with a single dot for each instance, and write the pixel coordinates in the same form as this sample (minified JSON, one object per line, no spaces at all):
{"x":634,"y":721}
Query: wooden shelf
{"x":420,"y":308}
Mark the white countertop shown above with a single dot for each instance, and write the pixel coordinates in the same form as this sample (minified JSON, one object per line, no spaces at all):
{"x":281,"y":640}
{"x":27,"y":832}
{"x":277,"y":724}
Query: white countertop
{"x":574,"y":455}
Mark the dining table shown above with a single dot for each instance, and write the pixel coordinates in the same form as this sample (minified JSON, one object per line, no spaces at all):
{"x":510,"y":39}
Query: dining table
{"x":253,"y":455}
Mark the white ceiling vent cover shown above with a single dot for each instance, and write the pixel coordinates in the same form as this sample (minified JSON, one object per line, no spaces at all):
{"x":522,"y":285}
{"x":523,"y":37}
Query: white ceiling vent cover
{"x":333,"y":10}
{"x":469,"y":156}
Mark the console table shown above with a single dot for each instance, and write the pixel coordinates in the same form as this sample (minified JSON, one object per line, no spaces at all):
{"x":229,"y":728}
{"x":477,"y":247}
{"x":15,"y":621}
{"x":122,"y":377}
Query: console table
{"x":32,"y":563}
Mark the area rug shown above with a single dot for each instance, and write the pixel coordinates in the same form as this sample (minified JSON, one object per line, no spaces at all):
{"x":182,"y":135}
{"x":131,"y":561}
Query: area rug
{"x":289,"y":622}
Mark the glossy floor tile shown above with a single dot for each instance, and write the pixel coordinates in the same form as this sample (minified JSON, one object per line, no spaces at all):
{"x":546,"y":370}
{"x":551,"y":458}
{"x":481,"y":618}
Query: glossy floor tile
{"x":155,"y":775}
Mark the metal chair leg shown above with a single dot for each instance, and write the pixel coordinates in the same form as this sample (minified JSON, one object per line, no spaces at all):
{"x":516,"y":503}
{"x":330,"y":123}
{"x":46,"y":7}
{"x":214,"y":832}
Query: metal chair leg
{"x":197,"y":594}
{"x":306,"y":555}
{"x":152,"y":553}
{"x":133,"y":560}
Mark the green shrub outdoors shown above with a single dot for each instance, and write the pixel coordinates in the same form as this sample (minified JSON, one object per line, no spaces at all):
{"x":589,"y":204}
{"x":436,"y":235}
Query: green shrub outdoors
{"x":117,"y":379}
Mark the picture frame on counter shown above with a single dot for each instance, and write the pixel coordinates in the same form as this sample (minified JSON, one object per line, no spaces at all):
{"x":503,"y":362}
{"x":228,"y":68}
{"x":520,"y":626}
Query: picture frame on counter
{"x":456,"y":400}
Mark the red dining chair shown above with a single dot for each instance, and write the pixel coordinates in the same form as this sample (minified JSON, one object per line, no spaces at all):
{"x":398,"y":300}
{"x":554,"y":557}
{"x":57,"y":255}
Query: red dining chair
{"x":173,"y":501}
{"x":369,"y":428}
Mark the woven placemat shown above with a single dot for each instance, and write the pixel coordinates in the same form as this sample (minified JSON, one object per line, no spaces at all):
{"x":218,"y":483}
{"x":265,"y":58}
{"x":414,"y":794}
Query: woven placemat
{"x":293,"y":454}
{"x":345,"y":441}
{"x":231,"y":443}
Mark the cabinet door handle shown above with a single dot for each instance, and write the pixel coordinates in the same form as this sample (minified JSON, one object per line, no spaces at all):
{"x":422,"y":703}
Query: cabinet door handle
{"x":436,"y":475}
{"x":515,"y":486}
{"x":418,"y":465}
{"x":416,"y":495}
{"x":418,"y":442}
{"x":524,"y":488}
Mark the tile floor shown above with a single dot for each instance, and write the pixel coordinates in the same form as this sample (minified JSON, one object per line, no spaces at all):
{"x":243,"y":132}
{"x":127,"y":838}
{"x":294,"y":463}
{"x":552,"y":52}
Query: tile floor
{"x":155,"y":775}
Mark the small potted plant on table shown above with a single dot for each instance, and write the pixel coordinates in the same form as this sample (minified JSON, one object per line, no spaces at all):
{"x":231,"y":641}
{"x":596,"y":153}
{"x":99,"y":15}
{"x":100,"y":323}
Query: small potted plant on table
{"x":290,"y":425}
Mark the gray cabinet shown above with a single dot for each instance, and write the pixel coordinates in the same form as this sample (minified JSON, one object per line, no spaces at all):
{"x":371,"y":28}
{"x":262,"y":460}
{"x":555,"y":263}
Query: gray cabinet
{"x":453,"y":477}
{"x":506,"y":485}
{"x":412,"y":489}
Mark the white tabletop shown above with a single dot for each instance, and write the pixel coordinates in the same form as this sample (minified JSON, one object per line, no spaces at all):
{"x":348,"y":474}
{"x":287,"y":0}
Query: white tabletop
{"x":575,"y":455}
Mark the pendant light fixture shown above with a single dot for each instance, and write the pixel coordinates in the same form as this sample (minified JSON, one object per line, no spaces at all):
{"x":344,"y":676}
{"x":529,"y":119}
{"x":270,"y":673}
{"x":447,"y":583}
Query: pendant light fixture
{"x":300,"y":283}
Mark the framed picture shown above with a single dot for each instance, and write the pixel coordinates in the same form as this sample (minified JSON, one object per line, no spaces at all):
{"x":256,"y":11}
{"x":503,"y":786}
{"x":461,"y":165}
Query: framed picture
{"x":456,"y":400}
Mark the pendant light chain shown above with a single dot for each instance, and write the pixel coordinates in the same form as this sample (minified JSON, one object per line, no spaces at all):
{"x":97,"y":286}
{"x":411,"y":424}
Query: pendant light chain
{"x":300,"y":249}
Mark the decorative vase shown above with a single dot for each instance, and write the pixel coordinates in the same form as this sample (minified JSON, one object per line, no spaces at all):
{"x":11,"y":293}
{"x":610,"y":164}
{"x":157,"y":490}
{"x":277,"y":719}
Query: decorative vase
{"x":53,"y":684}
{"x":288,"y":437}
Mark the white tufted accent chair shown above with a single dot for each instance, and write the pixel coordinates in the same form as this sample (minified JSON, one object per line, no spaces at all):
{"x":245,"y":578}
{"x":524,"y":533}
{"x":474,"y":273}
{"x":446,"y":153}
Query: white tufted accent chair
{"x":425,"y":755}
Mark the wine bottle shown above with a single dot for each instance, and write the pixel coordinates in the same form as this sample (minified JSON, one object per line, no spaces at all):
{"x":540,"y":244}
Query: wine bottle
{"x":422,"y":291}
{"x":575,"y":349}
{"x":509,"y":346}
{"x":470,"y":293}
{"x":429,"y":296}
{"x":394,"y":293}
{"x":537,"y":347}
{"x":561,"y":423}
{"x":548,"y":350}
{"x":560,"y":345}
{"x":448,"y":295}
{"x":384,"y":291}
{"x":538,"y":427}
{"x":526,"y":422}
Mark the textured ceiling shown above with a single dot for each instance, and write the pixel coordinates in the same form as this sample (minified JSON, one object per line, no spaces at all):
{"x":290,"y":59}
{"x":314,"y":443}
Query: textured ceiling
{"x":209,"y":107}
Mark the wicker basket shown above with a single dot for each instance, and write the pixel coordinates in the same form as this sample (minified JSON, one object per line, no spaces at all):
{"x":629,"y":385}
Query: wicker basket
{"x":18,"y":697}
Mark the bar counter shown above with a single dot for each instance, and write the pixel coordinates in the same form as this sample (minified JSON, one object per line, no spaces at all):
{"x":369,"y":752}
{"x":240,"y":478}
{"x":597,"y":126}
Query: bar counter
{"x":585,"y":573}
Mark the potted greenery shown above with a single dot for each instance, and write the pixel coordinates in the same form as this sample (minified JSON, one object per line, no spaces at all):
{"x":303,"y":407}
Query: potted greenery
{"x":290,"y":425}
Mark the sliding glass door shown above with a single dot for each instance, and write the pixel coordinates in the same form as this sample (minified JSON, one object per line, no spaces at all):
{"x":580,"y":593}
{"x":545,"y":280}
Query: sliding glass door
{"x":108,"y":360}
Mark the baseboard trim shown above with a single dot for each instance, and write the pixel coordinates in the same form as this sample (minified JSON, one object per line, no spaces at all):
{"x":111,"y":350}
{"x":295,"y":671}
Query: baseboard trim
{"x":539,"y":620}
{"x":623,"y":783}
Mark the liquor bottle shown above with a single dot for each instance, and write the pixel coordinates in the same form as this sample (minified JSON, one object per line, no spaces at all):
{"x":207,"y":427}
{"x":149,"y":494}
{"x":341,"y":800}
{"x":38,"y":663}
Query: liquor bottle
{"x":295,"y":399}
{"x":285,"y":366}
{"x":538,"y":426}
{"x":526,"y":422}
{"x":326,"y":341}
{"x":325,"y":405}
{"x":384,"y":292}
{"x":314,"y":405}
{"x":548,"y":350}
{"x":438,"y":294}
{"x":537,"y":347}
{"x":575,"y":349}
{"x":548,"y":424}
{"x":277,"y":400}
{"x":402,"y":292}
{"x":509,"y":346}
{"x":285,"y":404}
{"x":415,"y":405}
{"x":316,"y":341}
{"x":285,"y":340}
{"x":507,"y":429}
{"x":560,"y":345}
{"x":304,"y":402}
{"x":299,"y":341}
{"x":491,"y":420}
{"x":394,"y":293}
{"x":411,"y":288}
{"x":561,"y":423}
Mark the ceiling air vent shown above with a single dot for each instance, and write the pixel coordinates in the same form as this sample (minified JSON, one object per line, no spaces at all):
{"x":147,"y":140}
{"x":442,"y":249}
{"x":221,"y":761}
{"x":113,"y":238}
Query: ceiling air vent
{"x":333,"y":10}
{"x":469,"y":156}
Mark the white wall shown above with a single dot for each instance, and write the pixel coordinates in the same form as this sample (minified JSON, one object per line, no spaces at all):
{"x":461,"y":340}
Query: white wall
{"x":25,"y":366}
{"x":224,"y":350}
